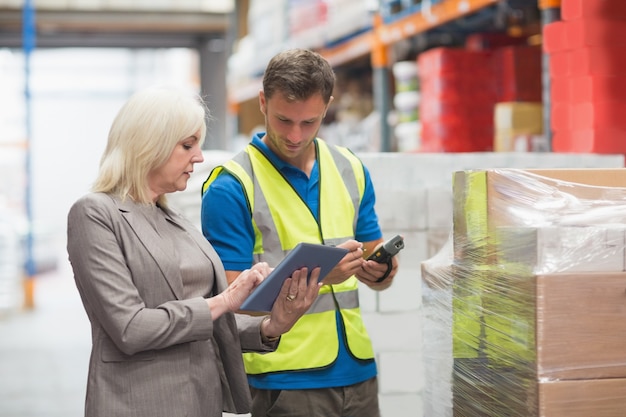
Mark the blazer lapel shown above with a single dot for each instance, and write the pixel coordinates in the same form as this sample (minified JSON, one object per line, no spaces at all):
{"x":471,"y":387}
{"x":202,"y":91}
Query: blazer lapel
{"x":161,"y":252}
{"x":205,"y":247}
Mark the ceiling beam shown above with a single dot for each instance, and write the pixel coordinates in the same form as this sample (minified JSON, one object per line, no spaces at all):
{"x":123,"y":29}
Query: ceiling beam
{"x":113,"y":29}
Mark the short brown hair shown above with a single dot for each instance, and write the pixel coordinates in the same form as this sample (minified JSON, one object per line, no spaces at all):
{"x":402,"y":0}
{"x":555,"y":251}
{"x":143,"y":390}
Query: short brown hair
{"x":298,"y":74}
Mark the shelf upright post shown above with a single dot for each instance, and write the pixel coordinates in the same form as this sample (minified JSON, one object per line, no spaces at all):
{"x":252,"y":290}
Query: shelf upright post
{"x":380,"y":67}
{"x":550,"y":12}
{"x":28,"y":45}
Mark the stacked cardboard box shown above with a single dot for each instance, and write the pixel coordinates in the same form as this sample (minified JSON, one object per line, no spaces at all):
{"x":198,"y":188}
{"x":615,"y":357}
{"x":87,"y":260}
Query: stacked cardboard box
{"x":460,"y":87}
{"x":538,"y":282}
{"x":587,"y":55}
{"x":267,"y":22}
{"x":458,"y":95}
{"x":307,"y":22}
{"x":345,"y":19}
{"x":518,"y":73}
{"x":519,"y":127}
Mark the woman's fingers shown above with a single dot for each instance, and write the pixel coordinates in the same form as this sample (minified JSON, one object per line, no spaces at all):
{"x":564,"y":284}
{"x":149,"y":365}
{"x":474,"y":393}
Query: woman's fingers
{"x":313,"y":284}
{"x":263,"y":268}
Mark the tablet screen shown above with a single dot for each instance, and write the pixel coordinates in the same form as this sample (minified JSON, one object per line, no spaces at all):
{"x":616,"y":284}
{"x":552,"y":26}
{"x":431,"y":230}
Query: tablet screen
{"x":310,"y":255}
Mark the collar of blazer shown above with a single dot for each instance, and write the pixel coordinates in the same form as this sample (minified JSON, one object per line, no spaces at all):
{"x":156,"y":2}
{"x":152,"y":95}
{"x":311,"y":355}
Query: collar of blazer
{"x":162,"y":253}
{"x":161,"y":250}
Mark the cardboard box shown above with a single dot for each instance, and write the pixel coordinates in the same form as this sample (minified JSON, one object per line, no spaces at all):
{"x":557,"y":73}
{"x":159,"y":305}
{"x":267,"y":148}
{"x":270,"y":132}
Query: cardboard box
{"x":599,"y":114}
{"x":597,"y":60}
{"x":581,"y":326}
{"x":515,"y":331}
{"x":578,"y":320}
{"x":603,"y":9}
{"x":585,"y":398}
{"x":560,"y":90}
{"x":560,"y":64}
{"x":601,"y":140}
{"x":495,"y":393}
{"x":555,"y":249}
{"x":521,"y":116}
{"x":561,"y":115}
{"x":554,"y":37}
{"x":484,"y":391}
{"x":593,"y":32}
{"x":515,"y":119}
{"x":593,"y":88}
{"x":517,"y":70}
{"x":485,"y":199}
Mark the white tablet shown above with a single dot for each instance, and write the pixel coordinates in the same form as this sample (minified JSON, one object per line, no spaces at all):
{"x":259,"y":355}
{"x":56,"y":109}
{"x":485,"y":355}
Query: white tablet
{"x":308,"y":255}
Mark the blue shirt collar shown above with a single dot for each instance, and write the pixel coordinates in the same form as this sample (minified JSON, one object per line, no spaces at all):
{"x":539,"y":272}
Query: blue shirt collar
{"x":278,"y":163}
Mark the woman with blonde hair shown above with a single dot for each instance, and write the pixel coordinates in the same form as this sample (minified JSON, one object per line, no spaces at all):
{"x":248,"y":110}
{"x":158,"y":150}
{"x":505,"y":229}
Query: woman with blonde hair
{"x":165,"y":337}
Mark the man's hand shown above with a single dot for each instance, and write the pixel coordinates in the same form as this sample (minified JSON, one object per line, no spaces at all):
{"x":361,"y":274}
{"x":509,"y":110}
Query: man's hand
{"x":372,"y":271}
{"x":349,"y":265}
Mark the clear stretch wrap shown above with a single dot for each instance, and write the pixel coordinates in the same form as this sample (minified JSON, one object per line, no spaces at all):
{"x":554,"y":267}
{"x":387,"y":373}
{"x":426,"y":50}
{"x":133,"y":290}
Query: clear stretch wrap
{"x":525,"y":306}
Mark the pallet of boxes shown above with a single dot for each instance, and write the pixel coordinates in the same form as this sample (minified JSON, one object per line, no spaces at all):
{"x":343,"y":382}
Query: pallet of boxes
{"x":538,"y":283}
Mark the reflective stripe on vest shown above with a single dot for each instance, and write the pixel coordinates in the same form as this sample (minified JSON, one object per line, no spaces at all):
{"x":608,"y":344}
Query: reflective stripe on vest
{"x":312,"y":342}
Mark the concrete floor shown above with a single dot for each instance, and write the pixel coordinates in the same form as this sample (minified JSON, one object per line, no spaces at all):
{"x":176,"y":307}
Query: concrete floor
{"x":44,"y":352}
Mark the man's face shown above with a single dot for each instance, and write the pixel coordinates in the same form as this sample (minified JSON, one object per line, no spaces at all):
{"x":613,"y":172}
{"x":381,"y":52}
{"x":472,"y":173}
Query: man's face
{"x":292,"y":125}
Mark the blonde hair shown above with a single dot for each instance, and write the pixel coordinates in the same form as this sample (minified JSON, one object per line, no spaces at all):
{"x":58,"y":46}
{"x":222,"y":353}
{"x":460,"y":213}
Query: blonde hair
{"x":142,"y":137}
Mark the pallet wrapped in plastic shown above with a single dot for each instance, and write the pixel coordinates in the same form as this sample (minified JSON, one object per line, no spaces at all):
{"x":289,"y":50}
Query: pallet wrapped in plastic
{"x":526,"y":304}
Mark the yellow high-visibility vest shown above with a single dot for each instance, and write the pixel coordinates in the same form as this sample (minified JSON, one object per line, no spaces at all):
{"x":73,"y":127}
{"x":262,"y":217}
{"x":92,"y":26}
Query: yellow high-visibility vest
{"x":281,"y":220}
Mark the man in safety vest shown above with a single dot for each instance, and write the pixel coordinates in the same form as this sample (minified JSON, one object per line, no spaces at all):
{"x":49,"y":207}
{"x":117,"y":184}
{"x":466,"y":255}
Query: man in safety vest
{"x":288,"y":186}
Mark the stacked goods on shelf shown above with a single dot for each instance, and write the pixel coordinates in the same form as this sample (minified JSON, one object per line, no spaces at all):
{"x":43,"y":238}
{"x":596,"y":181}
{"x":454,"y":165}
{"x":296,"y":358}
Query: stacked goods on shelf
{"x":460,"y":88}
{"x":518,"y":71}
{"x":392,"y":10}
{"x":518,"y":117}
{"x":307,"y":22}
{"x":537,"y":276}
{"x":519,"y":127}
{"x":457,"y":99}
{"x":267,"y":33}
{"x":345,"y":19}
{"x":406,"y":102}
{"x":492,"y":40}
{"x":587,"y":55}
{"x":275,"y":25}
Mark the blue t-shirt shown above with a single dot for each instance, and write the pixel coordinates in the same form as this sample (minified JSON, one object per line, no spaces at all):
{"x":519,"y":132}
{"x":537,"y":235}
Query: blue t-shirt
{"x":226,"y":223}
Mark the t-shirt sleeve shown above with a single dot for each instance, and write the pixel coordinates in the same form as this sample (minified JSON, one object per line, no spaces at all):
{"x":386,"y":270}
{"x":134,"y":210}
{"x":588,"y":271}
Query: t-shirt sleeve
{"x":226,"y":222}
{"x":367,"y":227}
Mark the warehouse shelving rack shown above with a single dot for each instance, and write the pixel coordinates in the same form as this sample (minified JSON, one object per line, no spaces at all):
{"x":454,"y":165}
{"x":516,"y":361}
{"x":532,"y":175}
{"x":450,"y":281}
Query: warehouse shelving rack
{"x":376,"y":43}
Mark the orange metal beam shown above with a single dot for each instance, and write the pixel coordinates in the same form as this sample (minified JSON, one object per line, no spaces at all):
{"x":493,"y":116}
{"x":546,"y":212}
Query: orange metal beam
{"x":356,"y":47}
{"x":432,"y":17}
{"x":549,"y":4}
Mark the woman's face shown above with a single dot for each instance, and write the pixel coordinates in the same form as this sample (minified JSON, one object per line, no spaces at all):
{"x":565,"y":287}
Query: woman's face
{"x":175,"y":172}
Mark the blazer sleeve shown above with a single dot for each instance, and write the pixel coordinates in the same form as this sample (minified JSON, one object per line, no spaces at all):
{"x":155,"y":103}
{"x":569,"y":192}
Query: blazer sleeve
{"x":250,"y":334}
{"x":106,"y":256}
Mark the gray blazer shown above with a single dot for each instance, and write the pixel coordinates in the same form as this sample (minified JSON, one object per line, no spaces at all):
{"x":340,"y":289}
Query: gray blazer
{"x":152,"y":350}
